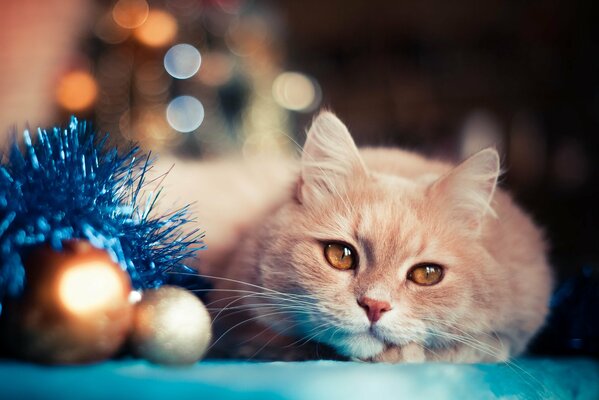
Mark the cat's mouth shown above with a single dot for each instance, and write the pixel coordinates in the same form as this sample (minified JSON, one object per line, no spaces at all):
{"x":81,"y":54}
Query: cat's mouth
{"x":375,"y":333}
{"x":360,"y":344}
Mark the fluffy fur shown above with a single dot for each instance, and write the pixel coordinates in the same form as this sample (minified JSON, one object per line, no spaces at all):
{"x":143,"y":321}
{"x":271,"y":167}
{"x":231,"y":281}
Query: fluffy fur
{"x":275,"y":293}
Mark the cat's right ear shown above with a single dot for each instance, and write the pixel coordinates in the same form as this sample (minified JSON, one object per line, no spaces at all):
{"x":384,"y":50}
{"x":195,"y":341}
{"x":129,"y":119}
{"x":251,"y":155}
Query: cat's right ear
{"x":466,"y":192}
{"x":330,"y":159}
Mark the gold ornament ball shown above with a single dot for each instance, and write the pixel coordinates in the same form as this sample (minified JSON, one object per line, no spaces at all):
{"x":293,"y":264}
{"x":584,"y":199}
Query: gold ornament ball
{"x":74,"y":309}
{"x":170,"y":326}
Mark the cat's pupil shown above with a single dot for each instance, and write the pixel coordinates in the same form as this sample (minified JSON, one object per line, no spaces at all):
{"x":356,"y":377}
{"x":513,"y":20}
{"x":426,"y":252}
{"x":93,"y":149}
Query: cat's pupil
{"x":340,"y":256}
{"x":426,"y":274}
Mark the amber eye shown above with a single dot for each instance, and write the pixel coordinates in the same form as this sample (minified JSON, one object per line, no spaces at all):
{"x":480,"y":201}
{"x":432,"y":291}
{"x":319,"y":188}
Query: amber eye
{"x":340,"y":256}
{"x":426,"y":274}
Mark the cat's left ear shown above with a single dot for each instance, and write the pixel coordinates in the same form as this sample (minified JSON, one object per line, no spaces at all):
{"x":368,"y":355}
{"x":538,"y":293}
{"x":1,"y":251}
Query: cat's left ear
{"x":466,"y":192}
{"x":330,"y":159}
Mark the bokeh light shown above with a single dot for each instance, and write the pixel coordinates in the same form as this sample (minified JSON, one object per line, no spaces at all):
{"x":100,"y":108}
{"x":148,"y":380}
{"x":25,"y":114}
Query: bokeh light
{"x":215,"y":22}
{"x":185,"y":113}
{"x":248,"y":35}
{"x":130,"y":13}
{"x":152,"y":130}
{"x":109,"y":31}
{"x":159,"y":29}
{"x":151,"y":80}
{"x":229,"y":6}
{"x":190,"y":9}
{"x":297,"y":92}
{"x":570,"y":164}
{"x":90,"y":287}
{"x":76,"y":91}
{"x":125,"y":125}
{"x":527,"y":151}
{"x":182,"y":61}
{"x":481,"y":129}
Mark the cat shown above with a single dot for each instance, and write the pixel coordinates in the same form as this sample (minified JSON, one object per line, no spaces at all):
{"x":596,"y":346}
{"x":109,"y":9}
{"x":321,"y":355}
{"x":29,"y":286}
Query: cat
{"x":374,"y":254}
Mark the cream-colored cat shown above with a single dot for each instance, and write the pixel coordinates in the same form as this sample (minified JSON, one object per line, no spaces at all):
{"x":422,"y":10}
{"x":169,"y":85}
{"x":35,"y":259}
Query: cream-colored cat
{"x":379,"y":254}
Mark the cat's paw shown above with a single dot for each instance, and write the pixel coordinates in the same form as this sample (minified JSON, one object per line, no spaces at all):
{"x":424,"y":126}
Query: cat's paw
{"x":410,"y":353}
{"x":484,"y":348}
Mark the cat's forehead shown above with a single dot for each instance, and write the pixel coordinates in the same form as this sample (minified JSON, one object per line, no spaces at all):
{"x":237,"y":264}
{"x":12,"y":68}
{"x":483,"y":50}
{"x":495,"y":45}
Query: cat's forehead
{"x":391,"y":219}
{"x":394,"y":216}
{"x":393,"y":184}
{"x":384,"y":207}
{"x":381,"y":209}
{"x":387,"y":196}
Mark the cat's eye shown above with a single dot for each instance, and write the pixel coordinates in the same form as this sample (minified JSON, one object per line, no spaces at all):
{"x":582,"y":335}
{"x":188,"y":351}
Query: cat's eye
{"x":426,"y":274}
{"x":340,"y":256}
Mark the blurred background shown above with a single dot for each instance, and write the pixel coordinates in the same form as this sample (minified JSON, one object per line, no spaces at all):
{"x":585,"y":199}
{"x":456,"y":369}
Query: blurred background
{"x":204,"y":78}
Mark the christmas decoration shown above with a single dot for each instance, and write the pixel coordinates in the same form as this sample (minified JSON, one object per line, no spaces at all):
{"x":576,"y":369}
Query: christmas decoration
{"x":171,"y":326}
{"x":71,"y":218}
{"x":75,"y":307}
{"x":69,"y":185}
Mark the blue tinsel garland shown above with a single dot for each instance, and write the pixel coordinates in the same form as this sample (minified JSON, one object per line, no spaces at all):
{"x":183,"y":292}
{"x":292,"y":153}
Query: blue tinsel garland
{"x":69,"y":184}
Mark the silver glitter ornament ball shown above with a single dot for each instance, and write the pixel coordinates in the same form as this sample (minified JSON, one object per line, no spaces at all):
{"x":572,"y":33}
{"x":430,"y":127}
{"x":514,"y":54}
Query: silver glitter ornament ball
{"x":171,"y":326}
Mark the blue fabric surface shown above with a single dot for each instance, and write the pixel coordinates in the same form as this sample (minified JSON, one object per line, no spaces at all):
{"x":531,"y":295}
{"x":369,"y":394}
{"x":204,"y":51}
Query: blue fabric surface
{"x":524,"y":379}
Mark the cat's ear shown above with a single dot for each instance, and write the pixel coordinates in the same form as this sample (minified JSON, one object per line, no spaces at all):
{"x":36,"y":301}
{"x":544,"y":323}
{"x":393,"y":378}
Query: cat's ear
{"x":330,"y":159}
{"x":466,"y":192}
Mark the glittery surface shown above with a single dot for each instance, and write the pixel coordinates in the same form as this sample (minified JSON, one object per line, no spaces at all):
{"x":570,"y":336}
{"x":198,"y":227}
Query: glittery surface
{"x":170,"y":326}
{"x":67,"y":183}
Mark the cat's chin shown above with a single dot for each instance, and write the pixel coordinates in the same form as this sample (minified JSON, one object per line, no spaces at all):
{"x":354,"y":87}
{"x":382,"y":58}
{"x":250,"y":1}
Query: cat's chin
{"x":361,"y":346}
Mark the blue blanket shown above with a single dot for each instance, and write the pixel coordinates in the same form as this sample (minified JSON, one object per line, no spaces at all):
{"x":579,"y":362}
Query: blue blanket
{"x":135,"y":379}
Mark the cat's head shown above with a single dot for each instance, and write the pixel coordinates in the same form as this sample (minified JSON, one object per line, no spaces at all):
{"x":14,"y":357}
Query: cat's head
{"x":363,"y":260}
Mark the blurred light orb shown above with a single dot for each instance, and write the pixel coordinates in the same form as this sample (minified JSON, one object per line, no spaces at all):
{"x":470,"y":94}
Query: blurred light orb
{"x":570,"y":164}
{"x":215,"y":21}
{"x":130,"y":13}
{"x":481,"y":129}
{"x":76,"y":91}
{"x":229,"y":6}
{"x":185,"y":113}
{"x":182,"y":61}
{"x":297,"y":92}
{"x":153,"y":130}
{"x":135,"y":296}
{"x":109,"y":31}
{"x":190,"y":9}
{"x":248,"y":35}
{"x":159,"y":29}
{"x":151,"y":80}
{"x":90,"y":287}
{"x":124,"y":124}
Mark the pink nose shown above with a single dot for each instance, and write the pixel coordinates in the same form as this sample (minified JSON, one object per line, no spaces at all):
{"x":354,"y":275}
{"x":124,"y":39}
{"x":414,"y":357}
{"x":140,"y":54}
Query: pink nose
{"x":374,"y":308}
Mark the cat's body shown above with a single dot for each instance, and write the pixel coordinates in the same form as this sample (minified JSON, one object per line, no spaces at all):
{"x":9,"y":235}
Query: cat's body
{"x":277,"y":292}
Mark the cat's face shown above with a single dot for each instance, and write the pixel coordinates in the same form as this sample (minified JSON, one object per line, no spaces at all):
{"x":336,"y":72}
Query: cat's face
{"x":365,"y":260}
